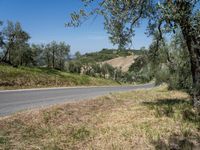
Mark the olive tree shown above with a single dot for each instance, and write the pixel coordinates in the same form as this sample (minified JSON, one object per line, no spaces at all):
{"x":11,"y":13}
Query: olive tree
{"x":164,"y":16}
{"x":14,"y":42}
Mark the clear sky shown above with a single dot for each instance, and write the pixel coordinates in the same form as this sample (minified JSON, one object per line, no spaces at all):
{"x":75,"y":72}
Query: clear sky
{"x":45,"y":21}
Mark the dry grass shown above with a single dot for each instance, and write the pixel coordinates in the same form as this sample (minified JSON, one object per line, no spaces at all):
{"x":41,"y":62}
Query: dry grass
{"x":122,"y":63}
{"x":143,"y":119}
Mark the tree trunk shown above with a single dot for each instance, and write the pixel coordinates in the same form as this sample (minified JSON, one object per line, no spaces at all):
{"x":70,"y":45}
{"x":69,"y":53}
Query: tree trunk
{"x":193,"y":47}
{"x":53,"y":59}
{"x":48,"y":61}
{"x":4,"y":59}
{"x":7,"y":57}
{"x":195,"y":68}
{"x":61,"y":64}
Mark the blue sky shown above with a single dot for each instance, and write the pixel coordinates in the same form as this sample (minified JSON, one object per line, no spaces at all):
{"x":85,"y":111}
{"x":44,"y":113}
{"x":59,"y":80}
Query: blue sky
{"x":44,"y":20}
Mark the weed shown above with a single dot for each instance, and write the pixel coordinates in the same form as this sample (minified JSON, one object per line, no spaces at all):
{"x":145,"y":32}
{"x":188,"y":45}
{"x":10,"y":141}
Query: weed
{"x":80,"y":133}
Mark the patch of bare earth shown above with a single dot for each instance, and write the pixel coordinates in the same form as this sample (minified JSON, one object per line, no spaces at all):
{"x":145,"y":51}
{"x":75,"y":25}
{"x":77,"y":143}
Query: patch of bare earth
{"x":122,"y":63}
{"x":143,"y":119}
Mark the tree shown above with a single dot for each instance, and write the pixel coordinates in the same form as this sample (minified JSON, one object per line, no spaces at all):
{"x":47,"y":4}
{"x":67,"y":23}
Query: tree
{"x":62,"y":55}
{"x":171,"y":64}
{"x":1,"y":41}
{"x":96,"y":69}
{"x":52,"y":49}
{"x":56,"y":54}
{"x":74,"y":67}
{"x":78,"y":55}
{"x":9,"y":35}
{"x":47,"y":56}
{"x":107,"y":69}
{"x":163,"y":16}
{"x":21,"y":51}
{"x":14,"y":44}
{"x":38,"y":54}
{"x":1,"y":36}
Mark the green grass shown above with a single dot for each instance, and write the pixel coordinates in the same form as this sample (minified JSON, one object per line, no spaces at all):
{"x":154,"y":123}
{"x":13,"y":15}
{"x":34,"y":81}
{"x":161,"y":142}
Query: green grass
{"x":25,"y":77}
{"x":142,"y":119}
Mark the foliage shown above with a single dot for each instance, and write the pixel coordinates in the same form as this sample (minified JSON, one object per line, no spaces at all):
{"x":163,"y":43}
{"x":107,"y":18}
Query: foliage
{"x":107,"y":69}
{"x":77,"y":55}
{"x":18,"y":52}
{"x":121,"y":17}
{"x":14,"y":42}
{"x":172,"y":64}
{"x":74,"y":67}
{"x":55,"y":54}
{"x":139,"y":63}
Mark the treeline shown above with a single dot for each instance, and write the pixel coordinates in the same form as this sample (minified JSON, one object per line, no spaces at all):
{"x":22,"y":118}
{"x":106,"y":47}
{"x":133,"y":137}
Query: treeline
{"x":16,"y":50}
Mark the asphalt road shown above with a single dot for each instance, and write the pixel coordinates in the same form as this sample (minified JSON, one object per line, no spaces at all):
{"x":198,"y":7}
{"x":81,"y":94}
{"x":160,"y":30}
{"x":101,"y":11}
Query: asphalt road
{"x":12,"y":101}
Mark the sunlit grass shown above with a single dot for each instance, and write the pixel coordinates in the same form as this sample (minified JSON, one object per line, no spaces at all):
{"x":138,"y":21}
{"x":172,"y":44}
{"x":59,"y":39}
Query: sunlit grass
{"x":25,"y":77}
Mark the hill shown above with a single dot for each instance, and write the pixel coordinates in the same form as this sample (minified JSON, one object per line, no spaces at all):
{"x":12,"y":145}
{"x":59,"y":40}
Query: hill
{"x":107,"y":54}
{"x":25,"y":77}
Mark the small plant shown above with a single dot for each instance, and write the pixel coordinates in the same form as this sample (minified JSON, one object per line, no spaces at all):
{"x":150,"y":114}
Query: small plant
{"x":46,"y":117}
{"x":80,"y":133}
{"x":161,"y":111}
{"x":190,"y":115}
{"x":4,"y":142}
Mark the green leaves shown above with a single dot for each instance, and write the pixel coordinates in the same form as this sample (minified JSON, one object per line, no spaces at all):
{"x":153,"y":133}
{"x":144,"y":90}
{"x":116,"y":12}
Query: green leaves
{"x":15,"y":44}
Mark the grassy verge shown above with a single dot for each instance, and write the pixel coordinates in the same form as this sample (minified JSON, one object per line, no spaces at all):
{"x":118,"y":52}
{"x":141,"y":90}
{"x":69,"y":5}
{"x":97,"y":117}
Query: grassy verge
{"x":24,"y":77}
{"x":143,"y":119}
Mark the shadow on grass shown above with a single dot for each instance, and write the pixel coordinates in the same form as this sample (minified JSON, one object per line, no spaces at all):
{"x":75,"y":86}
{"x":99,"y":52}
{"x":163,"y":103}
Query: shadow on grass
{"x":168,"y":102}
{"x":47,"y":70}
{"x":176,"y":142}
{"x":182,"y":110}
{"x":174,"y":107}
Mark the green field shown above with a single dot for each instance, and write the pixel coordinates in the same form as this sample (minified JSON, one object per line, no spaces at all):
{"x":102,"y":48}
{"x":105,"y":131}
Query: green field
{"x":25,"y":77}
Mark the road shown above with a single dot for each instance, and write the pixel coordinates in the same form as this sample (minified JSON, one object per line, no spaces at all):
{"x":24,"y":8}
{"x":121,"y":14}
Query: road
{"x":12,"y":101}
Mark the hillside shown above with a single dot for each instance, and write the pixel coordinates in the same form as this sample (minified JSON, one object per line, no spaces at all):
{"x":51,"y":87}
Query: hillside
{"x":24,"y":77}
{"x":107,"y":54}
{"x":121,"y":59}
{"x":122,"y":63}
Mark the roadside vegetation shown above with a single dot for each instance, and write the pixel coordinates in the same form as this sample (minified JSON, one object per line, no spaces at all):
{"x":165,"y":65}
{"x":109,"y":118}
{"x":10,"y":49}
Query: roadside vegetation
{"x":143,"y":119}
{"x":35,"y":77}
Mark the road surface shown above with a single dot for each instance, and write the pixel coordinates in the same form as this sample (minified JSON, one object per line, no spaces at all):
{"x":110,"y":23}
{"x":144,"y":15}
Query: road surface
{"x":12,"y":101}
